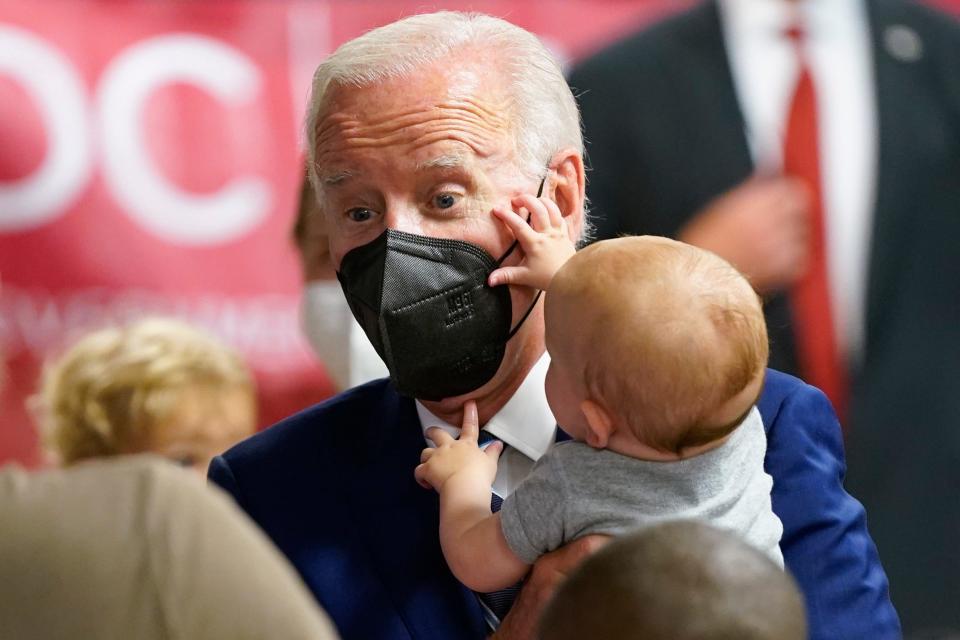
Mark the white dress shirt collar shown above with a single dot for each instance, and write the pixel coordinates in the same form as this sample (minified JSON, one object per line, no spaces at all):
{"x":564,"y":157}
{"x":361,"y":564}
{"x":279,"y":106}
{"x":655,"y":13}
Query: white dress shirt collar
{"x":754,"y":32}
{"x":525,"y":422}
{"x":819,"y":18}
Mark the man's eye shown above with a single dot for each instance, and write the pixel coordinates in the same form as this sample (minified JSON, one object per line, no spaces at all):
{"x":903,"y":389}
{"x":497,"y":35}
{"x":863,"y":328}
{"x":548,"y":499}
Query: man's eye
{"x":445,"y":200}
{"x":360,"y":214}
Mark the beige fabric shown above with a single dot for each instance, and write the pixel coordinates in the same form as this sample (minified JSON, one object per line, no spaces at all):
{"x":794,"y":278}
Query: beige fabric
{"x":137,"y":548}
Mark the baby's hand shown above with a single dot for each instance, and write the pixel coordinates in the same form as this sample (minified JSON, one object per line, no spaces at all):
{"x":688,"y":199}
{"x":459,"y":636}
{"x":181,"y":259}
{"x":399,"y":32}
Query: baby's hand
{"x":545,"y":242}
{"x":461,"y":458}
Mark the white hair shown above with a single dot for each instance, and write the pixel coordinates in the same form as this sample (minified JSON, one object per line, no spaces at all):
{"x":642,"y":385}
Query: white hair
{"x":545,"y":116}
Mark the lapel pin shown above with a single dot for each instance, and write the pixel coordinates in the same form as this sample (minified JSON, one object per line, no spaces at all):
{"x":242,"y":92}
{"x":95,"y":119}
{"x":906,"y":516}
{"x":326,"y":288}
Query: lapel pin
{"x":903,"y":43}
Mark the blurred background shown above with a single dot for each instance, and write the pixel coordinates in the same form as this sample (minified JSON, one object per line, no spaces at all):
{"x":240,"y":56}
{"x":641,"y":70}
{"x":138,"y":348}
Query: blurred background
{"x":150,"y":158}
{"x":151,"y":165}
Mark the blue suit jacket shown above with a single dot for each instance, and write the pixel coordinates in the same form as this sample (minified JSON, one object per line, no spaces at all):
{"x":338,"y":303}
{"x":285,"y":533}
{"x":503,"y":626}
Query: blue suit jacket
{"x":333,"y":486}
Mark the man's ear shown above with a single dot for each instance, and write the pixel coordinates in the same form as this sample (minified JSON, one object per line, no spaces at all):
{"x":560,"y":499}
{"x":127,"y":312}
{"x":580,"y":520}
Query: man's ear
{"x":568,"y":188}
{"x":600,"y":424}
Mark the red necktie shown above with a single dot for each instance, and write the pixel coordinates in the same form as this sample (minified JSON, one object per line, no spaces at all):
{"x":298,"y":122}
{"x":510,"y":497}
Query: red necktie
{"x":817,"y":347}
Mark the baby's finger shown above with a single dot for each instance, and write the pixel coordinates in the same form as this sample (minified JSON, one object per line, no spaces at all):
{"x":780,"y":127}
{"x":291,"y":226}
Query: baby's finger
{"x":471,"y":423}
{"x":517,"y":225}
{"x":508,"y":275}
{"x":419,"y":474}
{"x":426,"y":453}
{"x":494,"y":449}
{"x":438,"y":436}
{"x":539,"y":218}
{"x":556,"y":217}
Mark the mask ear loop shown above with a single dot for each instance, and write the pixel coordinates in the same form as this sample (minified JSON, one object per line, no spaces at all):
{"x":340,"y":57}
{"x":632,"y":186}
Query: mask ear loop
{"x":516,"y":242}
{"x":536,"y":299}
{"x":513,"y":246}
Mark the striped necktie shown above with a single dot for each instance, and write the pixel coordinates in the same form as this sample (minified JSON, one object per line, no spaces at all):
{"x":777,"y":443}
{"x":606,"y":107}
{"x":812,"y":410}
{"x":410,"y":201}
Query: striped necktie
{"x":498,"y":602}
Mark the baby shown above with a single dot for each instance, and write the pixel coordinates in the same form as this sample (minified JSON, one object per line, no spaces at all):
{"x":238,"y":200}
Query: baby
{"x":658,"y":351}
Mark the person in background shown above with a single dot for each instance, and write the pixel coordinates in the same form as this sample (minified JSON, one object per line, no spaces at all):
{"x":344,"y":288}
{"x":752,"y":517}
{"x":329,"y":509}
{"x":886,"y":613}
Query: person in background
{"x":156,"y":385}
{"x":681,"y":580}
{"x":133,"y":547}
{"x":417,"y":131}
{"x":815,"y":144}
{"x":326,"y":320}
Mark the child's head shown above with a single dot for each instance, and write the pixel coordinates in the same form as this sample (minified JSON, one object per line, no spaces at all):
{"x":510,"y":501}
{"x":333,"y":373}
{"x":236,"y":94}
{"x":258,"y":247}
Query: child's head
{"x":155,"y":386}
{"x":679,"y":581}
{"x":664,"y":341}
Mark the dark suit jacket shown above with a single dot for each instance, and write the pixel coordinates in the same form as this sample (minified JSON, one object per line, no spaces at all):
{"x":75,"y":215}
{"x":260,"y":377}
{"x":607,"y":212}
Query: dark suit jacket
{"x":666,"y":135}
{"x":333,"y":486}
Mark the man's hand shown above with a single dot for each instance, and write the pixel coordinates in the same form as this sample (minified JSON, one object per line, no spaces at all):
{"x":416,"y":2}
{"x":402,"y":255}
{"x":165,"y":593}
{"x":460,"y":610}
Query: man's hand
{"x":461,"y":458}
{"x":761,"y":227}
{"x":547,"y":574}
{"x":546,"y":242}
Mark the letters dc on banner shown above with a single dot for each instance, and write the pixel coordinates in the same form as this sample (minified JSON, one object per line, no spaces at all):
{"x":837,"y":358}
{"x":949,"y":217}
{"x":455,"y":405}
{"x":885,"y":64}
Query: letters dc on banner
{"x":150,"y":164}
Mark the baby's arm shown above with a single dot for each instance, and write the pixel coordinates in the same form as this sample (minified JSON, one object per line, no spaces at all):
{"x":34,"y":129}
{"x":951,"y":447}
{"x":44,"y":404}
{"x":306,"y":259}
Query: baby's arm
{"x":470,"y":535}
{"x":546,"y":242}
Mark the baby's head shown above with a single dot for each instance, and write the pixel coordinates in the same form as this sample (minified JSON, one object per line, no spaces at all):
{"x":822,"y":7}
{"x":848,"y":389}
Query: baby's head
{"x":654,"y":344}
{"x":156,"y":386}
{"x":678,"y":581}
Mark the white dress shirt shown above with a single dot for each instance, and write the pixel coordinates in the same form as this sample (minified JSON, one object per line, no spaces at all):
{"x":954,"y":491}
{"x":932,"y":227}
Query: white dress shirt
{"x":525,"y":423}
{"x":764,"y":67}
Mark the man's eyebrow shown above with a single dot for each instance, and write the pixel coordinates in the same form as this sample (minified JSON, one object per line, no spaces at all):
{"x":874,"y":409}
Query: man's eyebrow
{"x":445,"y":161}
{"x":332,"y":179}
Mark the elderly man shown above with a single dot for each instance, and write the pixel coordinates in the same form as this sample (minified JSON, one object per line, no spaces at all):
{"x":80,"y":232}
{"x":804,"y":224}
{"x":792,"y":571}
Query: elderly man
{"x":417,"y":131}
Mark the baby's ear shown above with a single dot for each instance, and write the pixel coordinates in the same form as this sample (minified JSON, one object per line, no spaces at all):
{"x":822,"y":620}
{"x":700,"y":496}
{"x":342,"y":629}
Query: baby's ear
{"x":600,"y":424}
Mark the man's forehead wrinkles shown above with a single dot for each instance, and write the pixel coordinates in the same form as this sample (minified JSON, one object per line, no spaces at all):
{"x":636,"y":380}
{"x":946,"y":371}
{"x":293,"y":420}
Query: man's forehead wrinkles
{"x":414,"y":124}
{"x":496,"y":115}
{"x":467,"y":112}
{"x":483,"y":144}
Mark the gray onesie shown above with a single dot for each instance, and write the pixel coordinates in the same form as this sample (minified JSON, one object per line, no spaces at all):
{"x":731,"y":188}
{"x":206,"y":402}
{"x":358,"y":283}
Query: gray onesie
{"x":575,"y":490}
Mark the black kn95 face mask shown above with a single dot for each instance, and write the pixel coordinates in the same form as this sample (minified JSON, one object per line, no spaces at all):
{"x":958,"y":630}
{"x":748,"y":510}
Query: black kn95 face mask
{"x":426,"y":307}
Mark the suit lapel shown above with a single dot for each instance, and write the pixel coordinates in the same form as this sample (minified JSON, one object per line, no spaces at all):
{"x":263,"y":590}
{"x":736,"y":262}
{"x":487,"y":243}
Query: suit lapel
{"x":398,"y":522}
{"x":899,"y":160}
{"x":714,"y":98}
{"x":688,"y":128}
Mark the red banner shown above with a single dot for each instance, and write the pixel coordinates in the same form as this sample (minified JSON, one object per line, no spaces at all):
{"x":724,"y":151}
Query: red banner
{"x":149,"y":163}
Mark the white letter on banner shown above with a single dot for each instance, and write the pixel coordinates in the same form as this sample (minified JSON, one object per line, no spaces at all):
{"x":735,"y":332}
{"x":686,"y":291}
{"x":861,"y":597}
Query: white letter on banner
{"x":50,"y":79}
{"x":161,"y":207}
